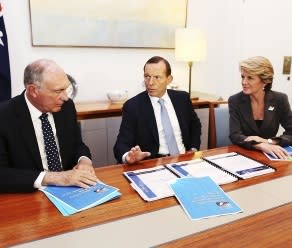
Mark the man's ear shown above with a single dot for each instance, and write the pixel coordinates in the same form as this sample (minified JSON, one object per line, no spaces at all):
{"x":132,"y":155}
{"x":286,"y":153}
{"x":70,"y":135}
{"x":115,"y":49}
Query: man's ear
{"x":169,"y":79}
{"x":32,"y":90}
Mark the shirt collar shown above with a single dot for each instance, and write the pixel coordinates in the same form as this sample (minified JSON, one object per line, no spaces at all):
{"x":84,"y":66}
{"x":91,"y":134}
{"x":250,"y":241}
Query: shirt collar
{"x":165,"y":97}
{"x":34,"y":112}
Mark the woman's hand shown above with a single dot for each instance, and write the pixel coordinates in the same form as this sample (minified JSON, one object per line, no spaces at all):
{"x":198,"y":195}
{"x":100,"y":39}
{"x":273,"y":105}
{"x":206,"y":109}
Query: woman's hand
{"x":257,"y":139}
{"x":275,"y":150}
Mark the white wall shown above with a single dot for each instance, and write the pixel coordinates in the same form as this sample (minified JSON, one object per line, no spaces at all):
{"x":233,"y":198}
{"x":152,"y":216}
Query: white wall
{"x":267,"y":32}
{"x":235,"y":29}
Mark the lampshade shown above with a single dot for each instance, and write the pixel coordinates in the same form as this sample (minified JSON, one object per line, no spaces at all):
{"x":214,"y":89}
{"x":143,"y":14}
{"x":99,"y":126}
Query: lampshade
{"x":190,"y":45}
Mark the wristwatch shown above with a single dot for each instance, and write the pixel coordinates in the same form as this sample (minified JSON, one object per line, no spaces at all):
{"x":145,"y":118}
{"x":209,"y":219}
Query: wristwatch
{"x":270,"y":141}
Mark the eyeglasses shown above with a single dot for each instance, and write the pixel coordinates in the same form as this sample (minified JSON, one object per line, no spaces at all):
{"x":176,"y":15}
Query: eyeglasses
{"x":68,"y":91}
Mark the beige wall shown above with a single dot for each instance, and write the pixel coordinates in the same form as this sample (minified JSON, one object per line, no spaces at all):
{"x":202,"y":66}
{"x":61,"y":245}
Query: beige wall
{"x":235,"y":29}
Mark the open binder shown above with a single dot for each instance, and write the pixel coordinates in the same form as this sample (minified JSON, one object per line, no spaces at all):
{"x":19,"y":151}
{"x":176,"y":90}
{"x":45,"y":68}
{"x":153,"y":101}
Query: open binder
{"x":239,"y":165}
{"x":202,"y":168}
{"x":153,"y":183}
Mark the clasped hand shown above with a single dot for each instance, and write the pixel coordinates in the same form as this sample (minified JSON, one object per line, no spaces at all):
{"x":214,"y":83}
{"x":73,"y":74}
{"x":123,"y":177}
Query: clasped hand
{"x":82,"y":175}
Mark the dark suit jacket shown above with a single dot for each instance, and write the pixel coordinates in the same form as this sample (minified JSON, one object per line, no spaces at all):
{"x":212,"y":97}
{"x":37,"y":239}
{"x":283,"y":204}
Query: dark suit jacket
{"x":139,"y":126}
{"x":241,"y":122}
{"x":20,"y":161}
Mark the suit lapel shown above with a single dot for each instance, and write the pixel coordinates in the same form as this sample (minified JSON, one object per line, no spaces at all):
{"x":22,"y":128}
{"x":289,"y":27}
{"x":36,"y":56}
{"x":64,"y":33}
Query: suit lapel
{"x":245,"y":109}
{"x":270,"y":110}
{"x":27,"y":130}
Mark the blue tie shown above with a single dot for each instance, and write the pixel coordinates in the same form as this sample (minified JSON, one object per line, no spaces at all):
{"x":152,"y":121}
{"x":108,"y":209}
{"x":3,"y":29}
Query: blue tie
{"x":168,"y":130}
{"x":54,"y":163}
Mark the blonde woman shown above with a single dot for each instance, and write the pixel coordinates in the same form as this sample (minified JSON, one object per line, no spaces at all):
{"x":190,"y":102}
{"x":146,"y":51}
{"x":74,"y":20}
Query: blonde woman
{"x":257,"y":112}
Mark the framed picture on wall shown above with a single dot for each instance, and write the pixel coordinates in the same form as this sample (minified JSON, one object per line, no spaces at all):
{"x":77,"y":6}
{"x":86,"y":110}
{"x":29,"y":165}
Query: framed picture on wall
{"x":107,"y":23}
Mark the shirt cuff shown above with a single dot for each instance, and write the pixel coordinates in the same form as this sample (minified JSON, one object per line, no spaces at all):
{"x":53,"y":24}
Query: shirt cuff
{"x":38,"y":182}
{"x":124,"y":158}
{"x":84,"y":157}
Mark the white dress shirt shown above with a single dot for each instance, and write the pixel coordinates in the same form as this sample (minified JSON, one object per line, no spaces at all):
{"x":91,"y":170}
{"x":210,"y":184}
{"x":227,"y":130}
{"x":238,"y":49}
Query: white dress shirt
{"x":35,"y":114}
{"x":163,"y":148}
{"x":37,"y":125}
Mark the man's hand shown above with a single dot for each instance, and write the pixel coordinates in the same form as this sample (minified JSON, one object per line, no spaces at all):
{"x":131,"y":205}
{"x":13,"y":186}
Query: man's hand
{"x":82,"y":175}
{"x":85,"y":164}
{"x":136,"y":155}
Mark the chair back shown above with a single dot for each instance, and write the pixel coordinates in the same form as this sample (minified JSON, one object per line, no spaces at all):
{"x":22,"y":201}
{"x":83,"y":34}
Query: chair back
{"x":222,"y":126}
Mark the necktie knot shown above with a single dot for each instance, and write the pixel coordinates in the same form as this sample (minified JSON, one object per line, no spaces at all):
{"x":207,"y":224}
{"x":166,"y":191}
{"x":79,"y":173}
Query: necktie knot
{"x":161,"y":101}
{"x":44,"y":116}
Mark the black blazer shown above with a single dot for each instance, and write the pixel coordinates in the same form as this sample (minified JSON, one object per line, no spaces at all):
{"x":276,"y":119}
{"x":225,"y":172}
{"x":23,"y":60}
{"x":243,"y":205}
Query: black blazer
{"x":139,"y":126}
{"x":277,"y":112}
{"x":20,"y":161}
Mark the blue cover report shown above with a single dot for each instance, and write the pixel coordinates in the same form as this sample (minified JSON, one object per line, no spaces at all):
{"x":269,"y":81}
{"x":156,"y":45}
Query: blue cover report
{"x":73,"y":199}
{"x":203,"y":198}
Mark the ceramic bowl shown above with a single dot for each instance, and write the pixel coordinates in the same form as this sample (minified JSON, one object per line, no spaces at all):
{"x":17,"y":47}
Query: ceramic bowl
{"x":117,"y":96}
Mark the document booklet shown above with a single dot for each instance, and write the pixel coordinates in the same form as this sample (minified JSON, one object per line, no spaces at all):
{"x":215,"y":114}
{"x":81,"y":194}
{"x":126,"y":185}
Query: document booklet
{"x":273,"y":157}
{"x":201,"y":168}
{"x":151,"y":184}
{"x":203,"y":198}
{"x":239,"y":165}
{"x":73,"y":199}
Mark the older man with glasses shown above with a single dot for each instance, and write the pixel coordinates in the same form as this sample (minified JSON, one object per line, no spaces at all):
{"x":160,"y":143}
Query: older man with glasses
{"x":40,"y":141}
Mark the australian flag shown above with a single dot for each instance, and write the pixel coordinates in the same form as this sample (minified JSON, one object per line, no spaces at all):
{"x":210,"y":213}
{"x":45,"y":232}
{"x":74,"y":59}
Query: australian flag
{"x":5,"y":80}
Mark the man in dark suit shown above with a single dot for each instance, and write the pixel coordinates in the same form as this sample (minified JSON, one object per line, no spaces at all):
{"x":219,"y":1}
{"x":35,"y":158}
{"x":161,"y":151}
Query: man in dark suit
{"x":142,"y":132}
{"x":23,"y":157}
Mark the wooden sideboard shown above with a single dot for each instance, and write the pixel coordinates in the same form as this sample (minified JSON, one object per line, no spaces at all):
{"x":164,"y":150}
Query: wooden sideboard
{"x":100,"y":109}
{"x":103,"y":109}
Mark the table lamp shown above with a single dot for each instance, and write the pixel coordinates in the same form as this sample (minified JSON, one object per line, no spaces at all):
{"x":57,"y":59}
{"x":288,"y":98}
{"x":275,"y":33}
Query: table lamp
{"x":190,"y":46}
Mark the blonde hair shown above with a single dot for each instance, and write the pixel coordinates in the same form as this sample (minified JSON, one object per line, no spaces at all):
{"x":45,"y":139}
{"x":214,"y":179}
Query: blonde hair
{"x":259,"y":66}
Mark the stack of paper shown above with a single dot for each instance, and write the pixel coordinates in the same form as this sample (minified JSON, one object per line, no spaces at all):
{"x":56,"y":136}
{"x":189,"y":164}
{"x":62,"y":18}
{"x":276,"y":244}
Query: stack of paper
{"x":151,"y":184}
{"x":203,"y":198}
{"x":73,"y":199}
